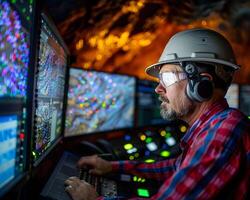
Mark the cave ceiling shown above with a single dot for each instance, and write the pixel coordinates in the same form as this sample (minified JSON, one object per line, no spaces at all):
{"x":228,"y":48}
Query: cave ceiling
{"x":125,"y":36}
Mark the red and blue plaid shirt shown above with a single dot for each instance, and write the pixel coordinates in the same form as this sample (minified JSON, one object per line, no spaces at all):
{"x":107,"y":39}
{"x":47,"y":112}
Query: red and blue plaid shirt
{"x":214,"y":164}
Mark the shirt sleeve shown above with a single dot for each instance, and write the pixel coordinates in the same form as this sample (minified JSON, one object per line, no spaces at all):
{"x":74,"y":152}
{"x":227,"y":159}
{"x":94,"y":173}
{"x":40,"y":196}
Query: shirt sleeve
{"x":159,"y":170}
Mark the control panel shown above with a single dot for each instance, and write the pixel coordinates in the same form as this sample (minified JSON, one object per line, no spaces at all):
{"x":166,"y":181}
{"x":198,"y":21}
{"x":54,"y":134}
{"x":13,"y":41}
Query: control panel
{"x":149,"y":144}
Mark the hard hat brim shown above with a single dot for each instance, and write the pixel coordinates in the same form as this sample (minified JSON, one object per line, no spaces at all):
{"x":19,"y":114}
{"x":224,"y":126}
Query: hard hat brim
{"x":153,"y":70}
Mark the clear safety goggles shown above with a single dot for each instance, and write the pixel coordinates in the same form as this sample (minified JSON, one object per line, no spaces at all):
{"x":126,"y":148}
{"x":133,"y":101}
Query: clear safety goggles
{"x":169,"y":78}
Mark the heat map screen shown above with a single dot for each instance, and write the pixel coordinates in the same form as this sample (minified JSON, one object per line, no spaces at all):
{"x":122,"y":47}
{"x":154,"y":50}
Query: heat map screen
{"x":99,"y":101}
{"x":50,"y":78}
{"x":14,"y":53}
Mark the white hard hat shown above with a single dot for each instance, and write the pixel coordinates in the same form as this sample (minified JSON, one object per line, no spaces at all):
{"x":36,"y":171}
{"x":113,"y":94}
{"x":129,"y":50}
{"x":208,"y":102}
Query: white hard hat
{"x":197,"y":45}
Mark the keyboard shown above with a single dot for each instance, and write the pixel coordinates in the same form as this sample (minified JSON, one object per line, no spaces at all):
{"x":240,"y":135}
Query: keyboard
{"x":118,"y":186}
{"x":66,"y":167}
{"x":103,"y":186}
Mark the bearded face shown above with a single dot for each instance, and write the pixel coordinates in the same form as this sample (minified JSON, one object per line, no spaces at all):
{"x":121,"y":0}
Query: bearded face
{"x":172,"y":93}
{"x":175,"y":105}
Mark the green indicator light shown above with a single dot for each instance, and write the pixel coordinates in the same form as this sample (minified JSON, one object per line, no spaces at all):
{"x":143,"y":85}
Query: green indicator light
{"x":248,"y":117}
{"x":149,"y":161}
{"x":135,"y":178}
{"x":13,"y":1}
{"x":28,"y":18}
{"x":131,"y":157}
{"x":168,"y":135}
{"x":24,"y":10}
{"x":142,"y":192}
{"x":128,"y":146}
{"x":34,"y":154}
{"x":143,"y":180}
{"x":165,"y":153}
{"x":31,"y":1}
{"x":148,"y":140}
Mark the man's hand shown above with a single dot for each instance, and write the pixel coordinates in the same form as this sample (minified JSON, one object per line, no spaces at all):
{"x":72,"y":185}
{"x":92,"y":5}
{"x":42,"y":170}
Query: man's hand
{"x":80,"y":190}
{"x":98,"y":165}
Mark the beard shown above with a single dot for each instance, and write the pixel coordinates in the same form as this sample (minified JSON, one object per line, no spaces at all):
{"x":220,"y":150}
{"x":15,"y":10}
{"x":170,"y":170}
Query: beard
{"x":168,"y":113}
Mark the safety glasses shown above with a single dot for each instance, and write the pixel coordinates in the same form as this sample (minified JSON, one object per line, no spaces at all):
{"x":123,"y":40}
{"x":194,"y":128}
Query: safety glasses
{"x":169,"y":78}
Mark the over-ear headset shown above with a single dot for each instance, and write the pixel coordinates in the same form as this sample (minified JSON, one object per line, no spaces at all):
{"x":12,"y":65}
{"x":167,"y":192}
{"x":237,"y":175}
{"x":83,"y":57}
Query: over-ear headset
{"x":199,"y":87}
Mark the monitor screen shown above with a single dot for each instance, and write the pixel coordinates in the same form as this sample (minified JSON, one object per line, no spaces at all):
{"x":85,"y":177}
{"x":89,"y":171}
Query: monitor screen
{"x":232,"y":95}
{"x":99,"y":101}
{"x":8,"y":142}
{"x":50,"y":84}
{"x":14,"y":52}
{"x":245,"y":99}
{"x":15,"y":24}
{"x":148,"y":104}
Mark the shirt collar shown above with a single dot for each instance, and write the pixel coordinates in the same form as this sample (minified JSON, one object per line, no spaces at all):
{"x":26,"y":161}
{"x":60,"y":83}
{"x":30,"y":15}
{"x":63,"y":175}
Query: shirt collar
{"x":194,"y":129}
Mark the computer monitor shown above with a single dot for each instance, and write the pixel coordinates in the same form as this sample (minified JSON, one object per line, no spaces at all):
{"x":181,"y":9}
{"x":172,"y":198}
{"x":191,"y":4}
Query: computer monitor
{"x":50,"y":86}
{"x":15,"y":24}
{"x":148,"y":104}
{"x":232,"y":95}
{"x":245,"y":99}
{"x":98,"y":102}
{"x":8,"y":142}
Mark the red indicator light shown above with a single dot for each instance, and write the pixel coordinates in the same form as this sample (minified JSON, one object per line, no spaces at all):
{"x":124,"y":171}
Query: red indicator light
{"x":21,"y":136}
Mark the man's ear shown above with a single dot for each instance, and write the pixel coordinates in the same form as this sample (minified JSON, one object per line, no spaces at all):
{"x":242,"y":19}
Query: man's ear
{"x":209,"y":76}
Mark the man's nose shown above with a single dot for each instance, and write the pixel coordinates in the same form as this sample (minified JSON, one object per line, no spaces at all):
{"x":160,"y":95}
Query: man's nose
{"x":160,"y":89}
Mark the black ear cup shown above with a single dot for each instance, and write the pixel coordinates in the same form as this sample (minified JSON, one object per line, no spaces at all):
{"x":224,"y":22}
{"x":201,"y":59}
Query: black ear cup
{"x":199,"y":88}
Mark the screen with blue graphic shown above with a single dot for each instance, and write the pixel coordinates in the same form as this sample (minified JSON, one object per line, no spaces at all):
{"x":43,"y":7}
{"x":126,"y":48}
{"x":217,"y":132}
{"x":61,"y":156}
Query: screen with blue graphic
{"x":50,"y":85}
{"x":8,"y":144}
{"x":148,"y":104}
{"x":99,"y":101}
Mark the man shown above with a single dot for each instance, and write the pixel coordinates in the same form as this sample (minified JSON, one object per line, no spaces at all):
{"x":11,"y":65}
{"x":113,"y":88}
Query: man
{"x":195,"y":71}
